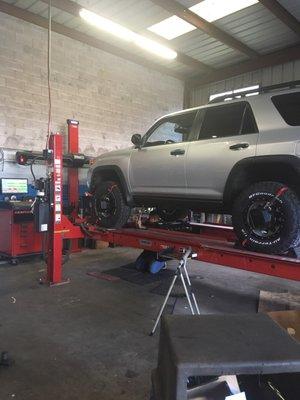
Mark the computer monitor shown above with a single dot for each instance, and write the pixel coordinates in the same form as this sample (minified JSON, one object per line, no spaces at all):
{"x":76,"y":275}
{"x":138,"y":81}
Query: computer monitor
{"x":14,"y":185}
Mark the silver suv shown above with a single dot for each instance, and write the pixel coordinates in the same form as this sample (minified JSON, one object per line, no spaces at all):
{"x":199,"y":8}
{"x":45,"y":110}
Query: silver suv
{"x":238,"y":157}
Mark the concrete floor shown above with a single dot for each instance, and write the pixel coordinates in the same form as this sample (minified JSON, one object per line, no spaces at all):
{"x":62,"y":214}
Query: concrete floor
{"x":89,"y":339}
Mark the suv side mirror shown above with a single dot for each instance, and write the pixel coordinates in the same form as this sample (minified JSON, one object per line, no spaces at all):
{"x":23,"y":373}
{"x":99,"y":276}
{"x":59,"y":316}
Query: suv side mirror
{"x":136,"y":139}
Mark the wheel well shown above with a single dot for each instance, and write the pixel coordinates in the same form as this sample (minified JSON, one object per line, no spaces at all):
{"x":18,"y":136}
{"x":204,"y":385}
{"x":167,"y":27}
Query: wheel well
{"x":103,"y":175}
{"x":253,"y":173}
{"x":113,"y":174}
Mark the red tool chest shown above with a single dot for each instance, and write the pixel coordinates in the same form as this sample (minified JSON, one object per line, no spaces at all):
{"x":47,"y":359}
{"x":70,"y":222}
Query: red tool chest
{"x":18,"y":236}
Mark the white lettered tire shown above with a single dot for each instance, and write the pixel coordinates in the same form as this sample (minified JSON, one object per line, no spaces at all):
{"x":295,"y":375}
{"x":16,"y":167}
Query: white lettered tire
{"x":266,"y":218}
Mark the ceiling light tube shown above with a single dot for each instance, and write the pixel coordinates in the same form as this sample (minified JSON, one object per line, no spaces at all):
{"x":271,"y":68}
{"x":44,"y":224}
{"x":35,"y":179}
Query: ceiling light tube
{"x":246,"y":89}
{"x":107,"y":25}
{"x":126,"y":34}
{"x":154,"y":47}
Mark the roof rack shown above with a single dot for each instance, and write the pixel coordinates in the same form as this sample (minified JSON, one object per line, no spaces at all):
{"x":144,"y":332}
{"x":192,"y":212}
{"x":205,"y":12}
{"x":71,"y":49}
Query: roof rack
{"x":263,"y":89}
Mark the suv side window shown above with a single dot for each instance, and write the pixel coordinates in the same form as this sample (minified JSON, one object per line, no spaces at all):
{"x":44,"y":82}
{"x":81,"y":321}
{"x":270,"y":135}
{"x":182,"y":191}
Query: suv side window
{"x":288,"y":106}
{"x":227,"y":120}
{"x":175,"y":129}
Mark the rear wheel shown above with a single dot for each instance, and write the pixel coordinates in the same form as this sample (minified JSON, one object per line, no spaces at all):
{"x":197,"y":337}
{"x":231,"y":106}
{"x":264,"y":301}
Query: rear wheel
{"x":171,"y":214}
{"x":266,"y":218}
{"x":109,"y":207}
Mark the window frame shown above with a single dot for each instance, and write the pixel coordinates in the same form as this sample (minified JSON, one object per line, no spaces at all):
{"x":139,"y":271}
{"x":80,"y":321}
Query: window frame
{"x":168,"y":119}
{"x":247,"y":105}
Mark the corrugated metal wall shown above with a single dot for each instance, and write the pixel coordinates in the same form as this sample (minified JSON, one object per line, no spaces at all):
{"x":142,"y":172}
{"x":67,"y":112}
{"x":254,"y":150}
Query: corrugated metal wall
{"x":264,"y":77}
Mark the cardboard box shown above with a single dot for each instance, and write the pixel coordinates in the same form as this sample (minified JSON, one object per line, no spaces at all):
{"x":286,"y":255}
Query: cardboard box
{"x":289,"y":320}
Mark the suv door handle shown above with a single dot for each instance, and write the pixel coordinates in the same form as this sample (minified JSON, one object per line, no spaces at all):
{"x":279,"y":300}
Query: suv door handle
{"x":239,"y":146}
{"x":177,"y":152}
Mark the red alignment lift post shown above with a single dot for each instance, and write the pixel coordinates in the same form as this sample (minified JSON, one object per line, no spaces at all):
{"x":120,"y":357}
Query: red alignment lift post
{"x":73,"y":180}
{"x":55,"y":242}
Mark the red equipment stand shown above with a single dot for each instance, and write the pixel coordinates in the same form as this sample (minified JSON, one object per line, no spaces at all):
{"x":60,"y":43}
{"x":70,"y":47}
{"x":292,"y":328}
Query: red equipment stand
{"x":73,"y":181}
{"x":55,"y":242}
{"x":213,"y":244}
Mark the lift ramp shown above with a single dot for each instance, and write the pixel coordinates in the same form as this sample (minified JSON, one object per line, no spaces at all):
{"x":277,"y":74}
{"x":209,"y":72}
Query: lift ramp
{"x":213,"y":244}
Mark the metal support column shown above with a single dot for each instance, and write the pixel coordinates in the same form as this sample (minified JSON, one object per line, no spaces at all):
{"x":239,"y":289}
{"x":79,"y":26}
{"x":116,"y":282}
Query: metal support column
{"x":73,"y":175}
{"x":55,"y":241}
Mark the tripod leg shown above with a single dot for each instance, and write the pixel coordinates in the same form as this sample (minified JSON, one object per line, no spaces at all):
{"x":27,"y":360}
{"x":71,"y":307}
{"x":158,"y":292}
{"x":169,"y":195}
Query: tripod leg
{"x":187,"y":293}
{"x":191,"y":289}
{"x":196,"y":303}
{"x":163,"y":305}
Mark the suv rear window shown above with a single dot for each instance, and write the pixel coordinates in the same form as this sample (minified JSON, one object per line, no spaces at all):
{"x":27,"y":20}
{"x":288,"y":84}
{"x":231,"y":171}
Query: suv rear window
{"x":227,"y":120}
{"x":288,"y":106}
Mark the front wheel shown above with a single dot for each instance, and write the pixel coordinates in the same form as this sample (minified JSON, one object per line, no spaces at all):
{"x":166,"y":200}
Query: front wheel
{"x":109,"y":207}
{"x":266,"y":218}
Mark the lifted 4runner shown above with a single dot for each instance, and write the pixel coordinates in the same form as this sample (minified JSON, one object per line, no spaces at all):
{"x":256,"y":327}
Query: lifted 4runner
{"x":238,"y":157}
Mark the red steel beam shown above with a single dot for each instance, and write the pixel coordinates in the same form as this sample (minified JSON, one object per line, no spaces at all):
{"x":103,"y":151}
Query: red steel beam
{"x":212,"y":245}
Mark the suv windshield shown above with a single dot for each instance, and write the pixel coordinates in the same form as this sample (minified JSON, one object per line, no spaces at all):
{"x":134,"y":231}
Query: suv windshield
{"x":288,"y":106}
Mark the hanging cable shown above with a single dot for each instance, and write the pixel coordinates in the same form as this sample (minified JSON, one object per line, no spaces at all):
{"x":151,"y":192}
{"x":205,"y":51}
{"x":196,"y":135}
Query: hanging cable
{"x":31,"y":168}
{"x":2,"y":159}
{"x":49,"y":74}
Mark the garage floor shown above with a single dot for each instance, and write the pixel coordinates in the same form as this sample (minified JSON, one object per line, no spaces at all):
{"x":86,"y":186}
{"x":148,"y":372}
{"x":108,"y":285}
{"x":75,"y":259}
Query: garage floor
{"x":89,"y":339}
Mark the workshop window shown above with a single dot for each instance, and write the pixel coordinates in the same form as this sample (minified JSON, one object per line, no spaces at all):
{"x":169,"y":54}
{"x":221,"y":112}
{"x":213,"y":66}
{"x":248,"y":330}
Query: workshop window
{"x":288,"y":106}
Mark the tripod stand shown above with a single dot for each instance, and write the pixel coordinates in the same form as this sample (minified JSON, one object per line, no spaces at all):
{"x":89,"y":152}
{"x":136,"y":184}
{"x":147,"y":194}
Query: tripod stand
{"x":182,"y":273}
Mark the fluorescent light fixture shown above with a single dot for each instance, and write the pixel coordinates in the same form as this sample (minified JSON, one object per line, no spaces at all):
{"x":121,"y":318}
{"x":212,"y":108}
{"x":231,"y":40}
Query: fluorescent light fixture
{"x":154,"y":47}
{"x":106,"y":25}
{"x":234,"y":92}
{"x":252,"y":94}
{"x":214,"y":96}
{"x":171,"y":27}
{"x":126,"y":34}
{"x":210,"y":10}
{"x":246,"y":89}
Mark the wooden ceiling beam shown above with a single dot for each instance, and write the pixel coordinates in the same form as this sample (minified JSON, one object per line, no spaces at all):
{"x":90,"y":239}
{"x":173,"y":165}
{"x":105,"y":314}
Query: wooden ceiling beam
{"x":282,"y":13}
{"x":210,"y":29}
{"x":86,"y":39}
{"x":267,"y":60}
{"x":73,"y":8}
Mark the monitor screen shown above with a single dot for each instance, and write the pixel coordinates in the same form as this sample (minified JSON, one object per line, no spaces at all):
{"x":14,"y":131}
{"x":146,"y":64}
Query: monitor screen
{"x":14,"y":186}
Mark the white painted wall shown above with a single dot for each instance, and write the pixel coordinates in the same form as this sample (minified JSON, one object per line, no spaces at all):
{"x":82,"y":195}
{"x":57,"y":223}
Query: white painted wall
{"x":111,"y":97}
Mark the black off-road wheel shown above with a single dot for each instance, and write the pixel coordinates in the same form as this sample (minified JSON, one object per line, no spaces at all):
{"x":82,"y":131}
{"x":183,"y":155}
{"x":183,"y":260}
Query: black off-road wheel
{"x":109,"y":207}
{"x":266,"y":218}
{"x":171,"y":214}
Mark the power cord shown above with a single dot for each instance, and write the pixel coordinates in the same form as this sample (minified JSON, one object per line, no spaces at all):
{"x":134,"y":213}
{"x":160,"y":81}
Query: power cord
{"x":31,"y":167}
{"x":49,"y":72}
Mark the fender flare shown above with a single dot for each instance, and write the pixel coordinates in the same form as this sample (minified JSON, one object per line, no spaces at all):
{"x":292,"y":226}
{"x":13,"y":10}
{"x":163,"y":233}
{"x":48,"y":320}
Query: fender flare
{"x":242,"y":169}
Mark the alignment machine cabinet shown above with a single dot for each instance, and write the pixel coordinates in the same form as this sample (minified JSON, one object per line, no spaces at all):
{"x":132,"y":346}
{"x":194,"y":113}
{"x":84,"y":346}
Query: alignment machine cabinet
{"x":18,"y":236}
